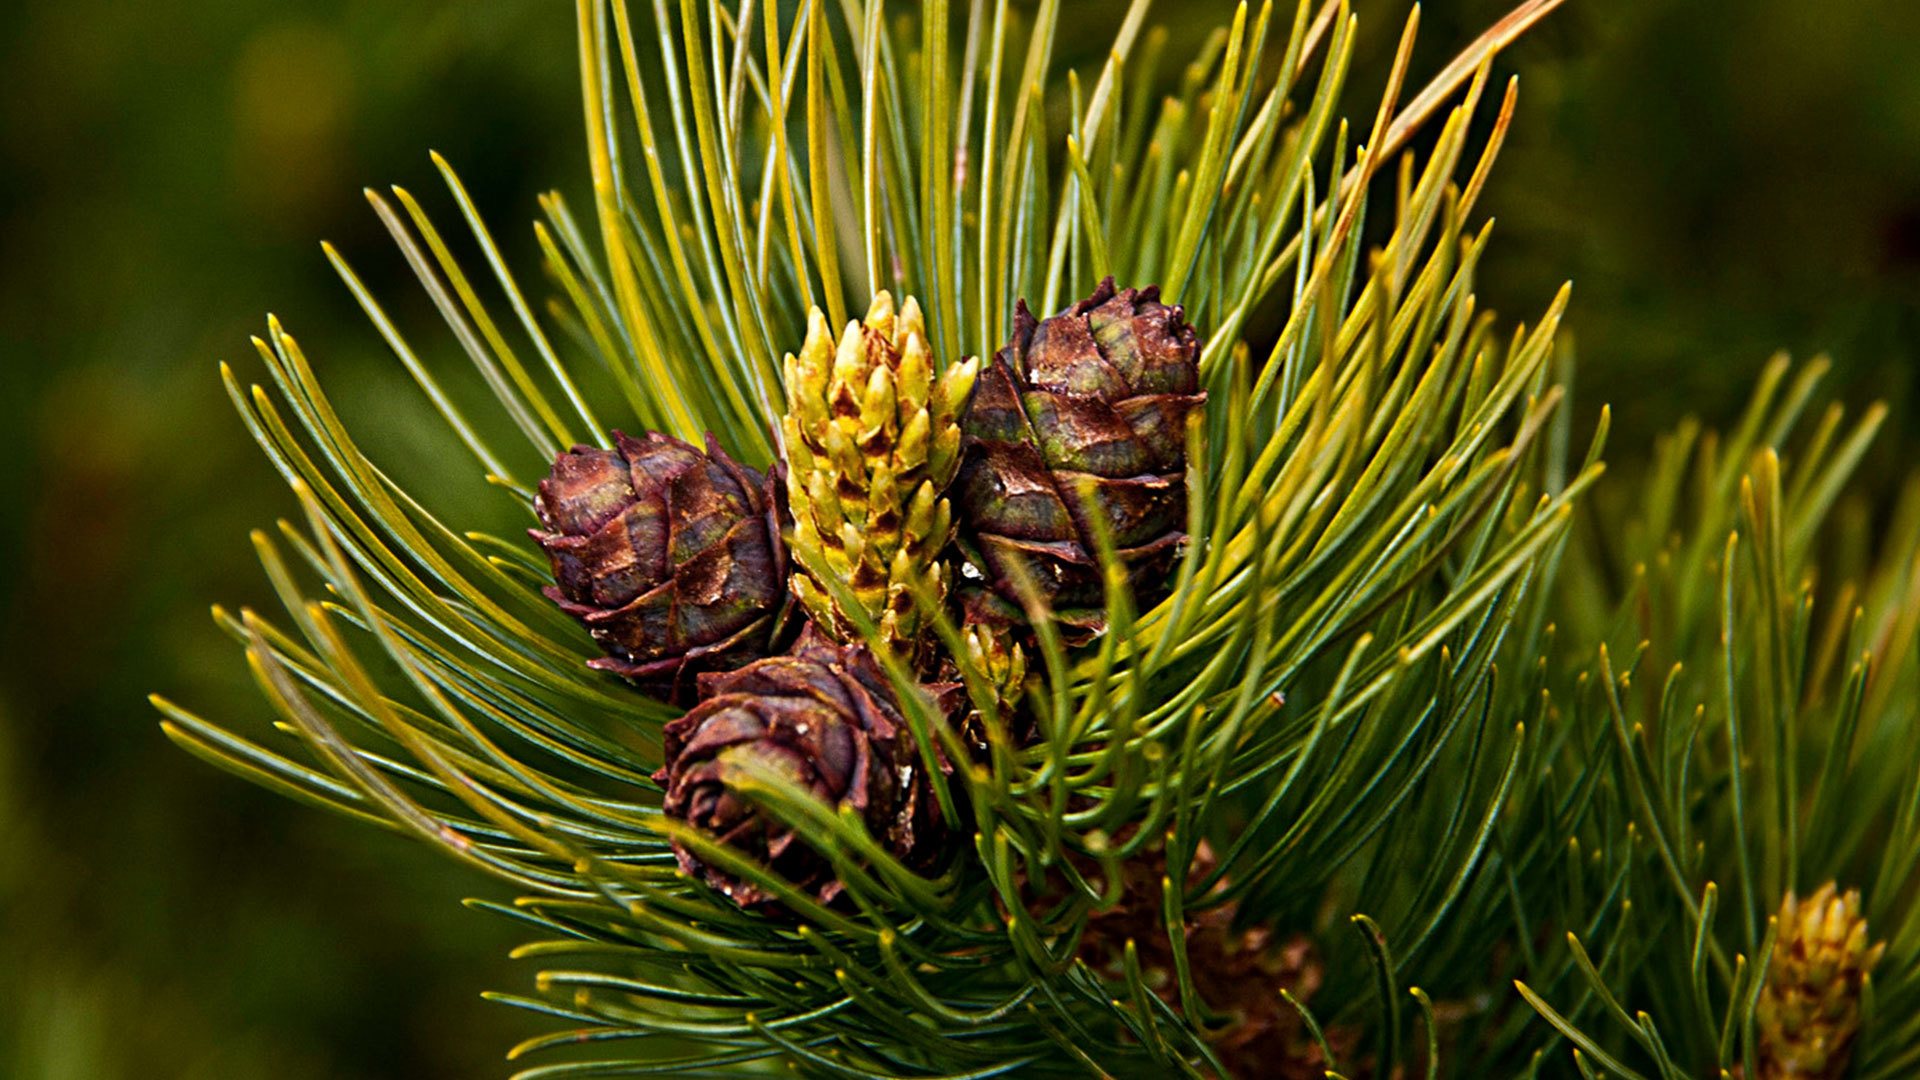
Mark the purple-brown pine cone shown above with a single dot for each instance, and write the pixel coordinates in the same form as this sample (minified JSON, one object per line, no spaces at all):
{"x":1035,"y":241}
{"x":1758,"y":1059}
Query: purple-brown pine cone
{"x":826,"y":718}
{"x":1094,"y":400}
{"x":670,"y":557}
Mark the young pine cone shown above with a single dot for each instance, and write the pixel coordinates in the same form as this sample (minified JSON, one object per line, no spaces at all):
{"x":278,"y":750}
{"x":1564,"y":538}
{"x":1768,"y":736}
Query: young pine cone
{"x":996,"y":653}
{"x":1810,"y":1002}
{"x":669,"y":556}
{"x":872,"y":441}
{"x":1081,"y":420}
{"x":826,"y":718}
{"x":996,"y":656}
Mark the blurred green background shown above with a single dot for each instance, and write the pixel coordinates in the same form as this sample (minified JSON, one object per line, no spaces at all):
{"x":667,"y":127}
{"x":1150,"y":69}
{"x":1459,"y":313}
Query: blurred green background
{"x":1720,"y":179}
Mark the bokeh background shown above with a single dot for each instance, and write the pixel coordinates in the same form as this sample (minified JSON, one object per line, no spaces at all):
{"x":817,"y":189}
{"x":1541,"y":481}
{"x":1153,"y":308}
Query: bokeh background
{"x":1720,"y":178}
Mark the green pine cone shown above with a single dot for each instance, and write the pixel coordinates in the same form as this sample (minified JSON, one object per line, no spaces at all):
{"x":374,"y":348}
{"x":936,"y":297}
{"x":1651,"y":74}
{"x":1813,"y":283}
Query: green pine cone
{"x":872,"y":441}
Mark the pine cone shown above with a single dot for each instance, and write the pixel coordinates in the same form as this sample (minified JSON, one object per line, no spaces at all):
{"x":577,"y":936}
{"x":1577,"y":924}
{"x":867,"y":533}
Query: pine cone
{"x":1081,"y":418}
{"x":872,"y":441}
{"x":1810,"y":1003}
{"x":996,"y":652}
{"x":1238,"y":972}
{"x":670,"y":557}
{"x":998,"y":657}
{"x":825,"y":717}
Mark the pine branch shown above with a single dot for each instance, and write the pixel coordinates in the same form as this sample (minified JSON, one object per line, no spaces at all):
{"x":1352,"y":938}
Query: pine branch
{"x":1393,"y":677}
{"x":1756,"y":677}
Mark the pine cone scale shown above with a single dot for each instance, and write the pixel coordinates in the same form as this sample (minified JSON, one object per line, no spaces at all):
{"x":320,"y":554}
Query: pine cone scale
{"x":696,"y":516}
{"x":1140,"y":514}
{"x":996,"y":415}
{"x":1159,"y":422}
{"x":1150,"y":347}
{"x":1014,"y":480}
{"x":1088,"y":435}
{"x":587,"y":488}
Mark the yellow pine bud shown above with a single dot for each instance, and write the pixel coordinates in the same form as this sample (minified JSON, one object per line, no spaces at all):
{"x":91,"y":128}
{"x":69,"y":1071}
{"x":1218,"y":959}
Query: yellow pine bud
{"x":880,"y":315}
{"x":916,"y":373}
{"x":883,"y":507}
{"x":955,"y":386}
{"x":910,"y":324}
{"x":1809,"y":1008}
{"x":854,"y":543}
{"x":872,"y":438}
{"x":800,"y":458}
{"x":995,"y":654}
{"x":911,"y":449}
{"x":950,"y":395}
{"x":878,"y":418}
{"x":844,"y":460}
{"x":808,"y":373}
{"x":850,"y":359}
{"x":827,"y":515}
{"x":901,"y":580}
{"x":943,"y":456}
{"x":942,"y":522}
{"x":920,"y":520}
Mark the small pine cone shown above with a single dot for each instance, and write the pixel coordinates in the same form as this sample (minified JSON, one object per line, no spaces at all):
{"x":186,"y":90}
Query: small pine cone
{"x":1238,"y":972}
{"x":825,"y":717}
{"x":872,"y":441}
{"x":997,"y":653}
{"x":670,"y":557}
{"x":1081,"y":419}
{"x":1810,"y":1002}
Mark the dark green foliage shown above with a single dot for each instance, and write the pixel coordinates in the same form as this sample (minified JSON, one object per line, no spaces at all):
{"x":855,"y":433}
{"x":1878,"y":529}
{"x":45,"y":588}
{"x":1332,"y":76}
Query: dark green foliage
{"x":1729,"y":642}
